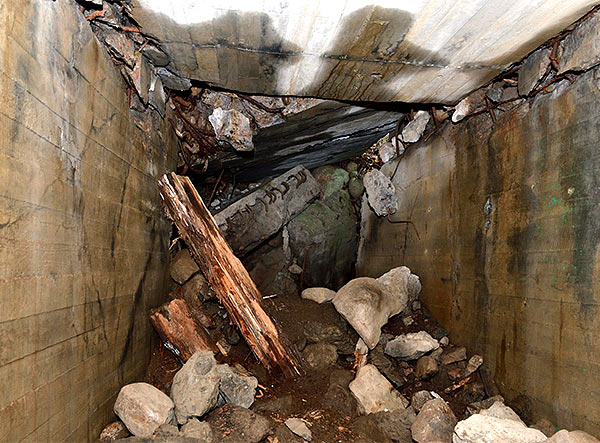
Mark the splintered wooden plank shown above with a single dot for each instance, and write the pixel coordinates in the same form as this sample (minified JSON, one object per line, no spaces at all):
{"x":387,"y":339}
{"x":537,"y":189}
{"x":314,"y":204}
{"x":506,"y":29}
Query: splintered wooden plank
{"x":226,"y":274}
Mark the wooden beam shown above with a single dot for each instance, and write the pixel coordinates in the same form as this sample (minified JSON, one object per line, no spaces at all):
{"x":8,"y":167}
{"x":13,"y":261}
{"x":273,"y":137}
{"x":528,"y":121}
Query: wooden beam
{"x":227,"y":276}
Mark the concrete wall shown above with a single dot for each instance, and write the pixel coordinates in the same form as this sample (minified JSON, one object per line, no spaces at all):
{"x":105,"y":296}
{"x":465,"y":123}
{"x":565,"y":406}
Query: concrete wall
{"x":83,"y":247}
{"x":509,"y":256}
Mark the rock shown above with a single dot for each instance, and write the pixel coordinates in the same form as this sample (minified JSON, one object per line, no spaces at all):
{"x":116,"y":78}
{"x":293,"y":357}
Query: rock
{"x":419,"y":399}
{"x":195,"y":387}
{"x":355,"y":188}
{"x":331,"y":180}
{"x":395,"y":424}
{"x":545,"y":426}
{"x":386,"y":367}
{"x":426,"y":367}
{"x":341,"y":400}
{"x":183,"y":267}
{"x":474,"y":363}
{"x":235,"y":387}
{"x":173,"y":81}
{"x":462,"y":109}
{"x":235,"y":424}
{"x":495,"y":93}
{"x":453,"y":355}
{"x":413,"y":131}
{"x":119,"y":46}
{"x":156,"y":94}
{"x":411,"y":346}
{"x":165,"y":431}
{"x":361,"y":347}
{"x":414,"y":289}
{"x":340,"y":377}
{"x":233,"y":127}
{"x":437,"y":354}
{"x":114,"y":431}
{"x":395,"y":281}
{"x":143,"y":408}
{"x":374,"y":393}
{"x":440,"y":114}
{"x":318,"y":295}
{"x":580,"y":50}
{"x":299,"y":428}
{"x":196,"y":288}
{"x":156,"y":55}
{"x":296,"y":270}
{"x":317,"y":332}
{"x":479,"y":428}
{"x":532,"y":70}
{"x":319,"y":356}
{"x":434,"y":423}
{"x":324,"y":239}
{"x":195,"y":428}
{"x":484,"y":404}
{"x":352,"y":167}
{"x":565,"y":436}
{"x":388,"y":152}
{"x":365,"y":430}
{"x":381,"y":193}
{"x":500,"y":410}
{"x":367,"y":305}
{"x":445,"y":341}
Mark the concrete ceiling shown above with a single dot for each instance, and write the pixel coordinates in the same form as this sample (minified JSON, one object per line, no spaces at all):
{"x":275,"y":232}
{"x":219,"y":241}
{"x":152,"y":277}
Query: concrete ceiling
{"x":379,"y":50}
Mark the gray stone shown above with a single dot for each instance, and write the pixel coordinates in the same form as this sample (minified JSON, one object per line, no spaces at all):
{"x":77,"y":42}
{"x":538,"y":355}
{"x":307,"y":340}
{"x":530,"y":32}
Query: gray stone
{"x":319,"y":356}
{"x":580,"y":50}
{"x":324,"y":239}
{"x":367,"y":306}
{"x":143,"y":408}
{"x":352,"y":167}
{"x":453,"y":355}
{"x":395,"y":424}
{"x":411,"y":346}
{"x":388,"y":152}
{"x":341,"y":400}
{"x":500,"y":410}
{"x":565,"y":436}
{"x":317,"y":332}
{"x":426,"y":367}
{"x":232,"y":127}
{"x":434,"y":423}
{"x":173,"y":81}
{"x":381,"y":193}
{"x":156,"y":55}
{"x":195,"y":386}
{"x":445,"y":341}
{"x":395,"y":282}
{"x":495,"y":93}
{"x":318,"y":295}
{"x":419,"y":399}
{"x":532,"y":70}
{"x":414,"y":288}
{"x":355,"y":188}
{"x":479,"y":429}
{"x":235,"y":424}
{"x":413,"y":131}
{"x":195,"y":428}
{"x":474,"y":363}
{"x":331,"y":180}
{"x":183,"y":267}
{"x":266,"y":221}
{"x":196,"y":288}
{"x":374,"y":392}
{"x":236,"y":388}
{"x":298,"y":427}
{"x":437,"y":354}
{"x":297,"y":270}
{"x":139,"y":76}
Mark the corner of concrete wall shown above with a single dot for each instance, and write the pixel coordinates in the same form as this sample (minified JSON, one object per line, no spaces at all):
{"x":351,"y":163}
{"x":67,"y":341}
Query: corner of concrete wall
{"x":83,"y":243}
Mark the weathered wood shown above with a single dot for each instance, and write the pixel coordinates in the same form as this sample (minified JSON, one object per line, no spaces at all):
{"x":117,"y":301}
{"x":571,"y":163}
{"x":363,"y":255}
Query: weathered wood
{"x":227,"y":276}
{"x":176,"y":326}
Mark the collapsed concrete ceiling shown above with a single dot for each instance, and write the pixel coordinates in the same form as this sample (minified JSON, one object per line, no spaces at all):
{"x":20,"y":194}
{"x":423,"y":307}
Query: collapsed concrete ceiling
{"x":381,"y":50}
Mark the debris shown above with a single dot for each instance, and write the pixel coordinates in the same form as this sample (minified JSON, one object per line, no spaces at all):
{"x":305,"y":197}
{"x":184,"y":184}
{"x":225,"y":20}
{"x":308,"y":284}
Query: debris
{"x":114,"y":431}
{"x":332,"y":333}
{"x":426,"y":367}
{"x":226,"y":275}
{"x":396,"y":283}
{"x":579,"y":50}
{"x":413,"y":131}
{"x":156,"y":55}
{"x":500,"y":410}
{"x":381,"y":193}
{"x":235,"y":387}
{"x":388,"y":152}
{"x":533,"y":70}
{"x":319,"y":356}
{"x":411,"y":346}
{"x":565,"y":436}
{"x":478,"y":428}
{"x":474,"y":363}
{"x":355,"y":188}
{"x":234,"y":424}
{"x":173,"y":81}
{"x":143,"y":408}
{"x":374,"y":393}
{"x":183,"y":267}
{"x":232,"y":127}
{"x":453,"y":355}
{"x":195,"y":428}
{"x":419,"y":399}
{"x":298,"y":427}
{"x":435,"y":423}
{"x":177,"y":326}
{"x":318,"y":295}
{"x":445,"y":341}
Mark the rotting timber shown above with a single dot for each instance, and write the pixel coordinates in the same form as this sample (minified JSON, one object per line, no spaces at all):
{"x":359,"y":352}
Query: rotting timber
{"x":226,"y":274}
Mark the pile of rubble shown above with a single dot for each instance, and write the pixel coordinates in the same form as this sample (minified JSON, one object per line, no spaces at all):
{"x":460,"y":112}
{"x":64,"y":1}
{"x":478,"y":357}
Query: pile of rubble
{"x":379,"y":369}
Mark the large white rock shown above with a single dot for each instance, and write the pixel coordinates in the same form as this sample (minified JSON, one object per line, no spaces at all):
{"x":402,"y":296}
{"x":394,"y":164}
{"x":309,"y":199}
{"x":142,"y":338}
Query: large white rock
{"x":500,"y":410}
{"x":411,"y":346}
{"x":413,"y":131}
{"x":374,"y":392}
{"x":143,"y":408}
{"x":196,"y":386}
{"x":318,"y":295}
{"x":367,"y":305}
{"x":396,"y":282}
{"x":487,"y":429}
{"x":565,"y":436}
{"x":381,"y":193}
{"x":232,"y":127}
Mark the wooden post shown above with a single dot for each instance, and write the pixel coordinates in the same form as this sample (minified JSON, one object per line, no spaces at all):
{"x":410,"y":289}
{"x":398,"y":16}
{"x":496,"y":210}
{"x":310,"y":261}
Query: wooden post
{"x":227,"y":276}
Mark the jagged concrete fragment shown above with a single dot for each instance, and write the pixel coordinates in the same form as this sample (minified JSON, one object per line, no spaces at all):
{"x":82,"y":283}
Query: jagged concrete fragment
{"x":254,"y":218}
{"x":381,"y":193}
{"x":413,"y":131}
{"x":374,"y":392}
{"x":233,"y":127}
{"x":581,"y":48}
{"x":532,"y":70}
